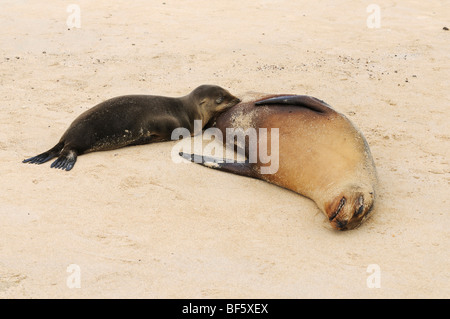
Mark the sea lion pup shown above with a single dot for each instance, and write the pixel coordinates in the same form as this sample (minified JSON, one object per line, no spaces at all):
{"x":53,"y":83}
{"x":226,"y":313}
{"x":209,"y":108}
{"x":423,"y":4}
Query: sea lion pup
{"x":134,"y":120}
{"x":322,"y":155}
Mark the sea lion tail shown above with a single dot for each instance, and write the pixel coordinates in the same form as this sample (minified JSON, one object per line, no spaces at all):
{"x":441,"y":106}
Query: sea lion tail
{"x":46,"y":156}
{"x":243,"y":169}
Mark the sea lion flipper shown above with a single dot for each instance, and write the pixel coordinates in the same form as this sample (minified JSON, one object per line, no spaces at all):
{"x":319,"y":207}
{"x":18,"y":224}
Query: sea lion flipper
{"x":46,"y":156}
{"x":309,"y":102}
{"x":39,"y":159}
{"x":243,"y":169}
{"x":65,"y":161}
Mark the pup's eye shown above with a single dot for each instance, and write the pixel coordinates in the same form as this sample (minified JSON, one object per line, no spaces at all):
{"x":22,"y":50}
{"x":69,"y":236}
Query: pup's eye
{"x":220,"y":100}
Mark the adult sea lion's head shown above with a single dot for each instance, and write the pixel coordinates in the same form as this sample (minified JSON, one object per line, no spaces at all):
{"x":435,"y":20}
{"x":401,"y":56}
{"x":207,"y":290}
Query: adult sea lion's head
{"x":351,"y":207}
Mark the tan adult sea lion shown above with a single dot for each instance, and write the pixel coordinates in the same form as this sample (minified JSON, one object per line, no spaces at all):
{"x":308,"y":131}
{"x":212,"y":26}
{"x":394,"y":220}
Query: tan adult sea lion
{"x":322,"y":155}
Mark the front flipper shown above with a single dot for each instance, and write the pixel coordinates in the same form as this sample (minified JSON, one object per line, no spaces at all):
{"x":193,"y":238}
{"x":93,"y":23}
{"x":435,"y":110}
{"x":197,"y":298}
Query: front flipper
{"x":243,"y":169}
{"x":65,"y":161}
{"x":309,"y":102}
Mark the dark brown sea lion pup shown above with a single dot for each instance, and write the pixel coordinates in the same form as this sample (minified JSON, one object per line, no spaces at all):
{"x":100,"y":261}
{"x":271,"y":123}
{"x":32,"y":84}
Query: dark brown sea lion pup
{"x":134,"y":120}
{"x":322,"y":155}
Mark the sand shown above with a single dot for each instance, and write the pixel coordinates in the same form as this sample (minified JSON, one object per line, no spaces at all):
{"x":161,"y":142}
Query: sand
{"x":131,"y":223}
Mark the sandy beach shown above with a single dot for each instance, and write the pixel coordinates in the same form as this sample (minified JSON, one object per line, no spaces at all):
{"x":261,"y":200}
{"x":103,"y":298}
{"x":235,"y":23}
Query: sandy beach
{"x":131,"y":223}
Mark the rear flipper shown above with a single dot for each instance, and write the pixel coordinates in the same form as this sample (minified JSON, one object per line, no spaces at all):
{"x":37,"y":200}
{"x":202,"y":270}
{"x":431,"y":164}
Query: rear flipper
{"x":243,"y":169}
{"x":66,"y":160}
{"x":297,"y":100}
{"x":46,"y":156}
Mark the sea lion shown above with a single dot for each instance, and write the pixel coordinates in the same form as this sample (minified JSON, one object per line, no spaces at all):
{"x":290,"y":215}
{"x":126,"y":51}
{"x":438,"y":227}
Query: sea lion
{"x":134,"y":120}
{"x":322,"y":155}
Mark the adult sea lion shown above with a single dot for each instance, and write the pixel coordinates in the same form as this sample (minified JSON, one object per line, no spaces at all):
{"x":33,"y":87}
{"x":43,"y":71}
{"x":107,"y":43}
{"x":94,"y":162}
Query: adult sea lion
{"x":134,"y":120}
{"x":322,"y":155}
